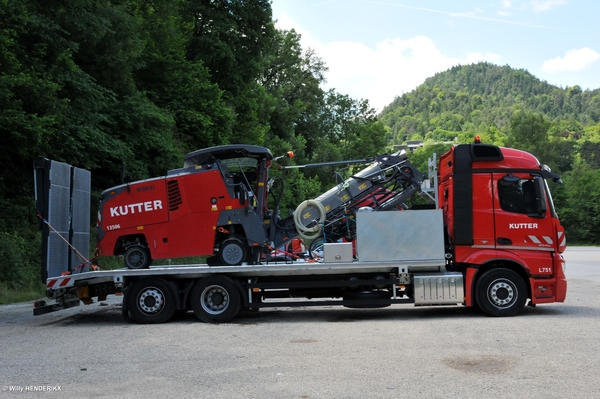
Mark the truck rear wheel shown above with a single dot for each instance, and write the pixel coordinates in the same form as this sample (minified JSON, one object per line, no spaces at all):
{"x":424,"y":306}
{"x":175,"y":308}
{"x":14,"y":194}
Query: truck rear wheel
{"x":215,"y":299}
{"x":137,"y":257}
{"x":151,"y":300}
{"x":501,"y":292}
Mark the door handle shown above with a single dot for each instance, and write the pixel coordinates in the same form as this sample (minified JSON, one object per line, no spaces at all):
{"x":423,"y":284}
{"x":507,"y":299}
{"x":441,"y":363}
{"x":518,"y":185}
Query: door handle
{"x":504,"y":241}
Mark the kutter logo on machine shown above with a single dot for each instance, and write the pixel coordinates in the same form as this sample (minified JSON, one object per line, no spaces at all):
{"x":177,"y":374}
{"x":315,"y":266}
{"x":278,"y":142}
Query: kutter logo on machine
{"x":138,"y":207}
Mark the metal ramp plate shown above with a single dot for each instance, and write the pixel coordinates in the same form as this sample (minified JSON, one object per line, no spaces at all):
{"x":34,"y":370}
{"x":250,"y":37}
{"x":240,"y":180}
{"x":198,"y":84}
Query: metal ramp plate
{"x":63,"y":200}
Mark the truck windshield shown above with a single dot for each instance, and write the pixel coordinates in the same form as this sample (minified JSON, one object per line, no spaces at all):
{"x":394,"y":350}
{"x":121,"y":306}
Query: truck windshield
{"x":240,"y":164}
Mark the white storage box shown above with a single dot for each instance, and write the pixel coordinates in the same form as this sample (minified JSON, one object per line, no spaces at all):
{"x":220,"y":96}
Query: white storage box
{"x":337,"y":252}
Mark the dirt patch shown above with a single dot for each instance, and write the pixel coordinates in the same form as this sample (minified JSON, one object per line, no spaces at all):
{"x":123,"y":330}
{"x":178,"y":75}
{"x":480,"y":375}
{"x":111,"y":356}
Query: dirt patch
{"x":483,"y":364}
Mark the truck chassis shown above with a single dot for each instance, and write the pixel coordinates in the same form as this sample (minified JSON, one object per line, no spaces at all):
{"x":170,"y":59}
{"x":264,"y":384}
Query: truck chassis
{"x":218,"y":293}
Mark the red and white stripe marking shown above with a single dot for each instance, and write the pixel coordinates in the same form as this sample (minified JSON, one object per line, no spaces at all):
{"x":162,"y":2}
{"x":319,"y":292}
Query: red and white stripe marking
{"x":60,"y":282}
{"x":561,"y":235}
{"x":538,"y":240}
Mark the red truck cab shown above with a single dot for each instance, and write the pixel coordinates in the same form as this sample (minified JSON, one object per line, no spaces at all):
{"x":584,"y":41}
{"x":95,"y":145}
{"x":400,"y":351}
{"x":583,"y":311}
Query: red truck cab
{"x":501,"y":222}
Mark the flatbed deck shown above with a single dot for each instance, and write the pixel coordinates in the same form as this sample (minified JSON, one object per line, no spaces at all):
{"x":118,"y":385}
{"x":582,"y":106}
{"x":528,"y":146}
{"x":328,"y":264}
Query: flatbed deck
{"x":297,"y":268}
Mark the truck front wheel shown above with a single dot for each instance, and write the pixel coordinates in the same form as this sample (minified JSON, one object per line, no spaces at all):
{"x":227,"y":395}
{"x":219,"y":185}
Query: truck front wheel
{"x":215,"y":299}
{"x":501,"y":292}
{"x":151,"y":300}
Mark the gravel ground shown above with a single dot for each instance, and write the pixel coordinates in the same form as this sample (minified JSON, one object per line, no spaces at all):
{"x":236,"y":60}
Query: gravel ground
{"x":551,"y":351}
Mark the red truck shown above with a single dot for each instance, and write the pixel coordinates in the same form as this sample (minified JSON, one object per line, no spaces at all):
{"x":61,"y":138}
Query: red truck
{"x":504,"y":232}
{"x":491,"y":238}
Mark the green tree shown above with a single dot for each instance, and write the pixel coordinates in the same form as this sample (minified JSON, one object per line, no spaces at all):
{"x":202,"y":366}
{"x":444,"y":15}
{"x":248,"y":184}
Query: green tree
{"x":180,"y":86}
{"x":229,"y":38}
{"x":353,"y":126}
{"x":292,"y":76}
{"x":581,"y":212}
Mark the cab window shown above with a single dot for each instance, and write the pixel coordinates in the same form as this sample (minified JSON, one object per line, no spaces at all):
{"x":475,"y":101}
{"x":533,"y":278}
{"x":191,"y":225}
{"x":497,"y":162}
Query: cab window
{"x":517,"y":195}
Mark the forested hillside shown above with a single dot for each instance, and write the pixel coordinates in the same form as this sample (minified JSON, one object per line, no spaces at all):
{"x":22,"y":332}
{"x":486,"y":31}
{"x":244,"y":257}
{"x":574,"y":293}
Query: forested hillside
{"x":479,"y":96}
{"x":102,"y":83}
{"x":510,"y":107}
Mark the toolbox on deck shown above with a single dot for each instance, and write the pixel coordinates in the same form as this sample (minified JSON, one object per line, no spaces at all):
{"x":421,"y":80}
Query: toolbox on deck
{"x":337,"y":252}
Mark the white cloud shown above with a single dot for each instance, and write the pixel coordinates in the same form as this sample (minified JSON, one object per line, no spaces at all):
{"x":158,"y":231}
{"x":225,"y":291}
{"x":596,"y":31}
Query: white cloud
{"x":574,"y":60}
{"x":546,"y":5}
{"x":393,"y":67}
{"x":286,"y":23}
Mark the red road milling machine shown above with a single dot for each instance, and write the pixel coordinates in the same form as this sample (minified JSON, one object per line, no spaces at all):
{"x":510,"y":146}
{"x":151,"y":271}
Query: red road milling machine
{"x":489,"y":237}
{"x":217,"y":204}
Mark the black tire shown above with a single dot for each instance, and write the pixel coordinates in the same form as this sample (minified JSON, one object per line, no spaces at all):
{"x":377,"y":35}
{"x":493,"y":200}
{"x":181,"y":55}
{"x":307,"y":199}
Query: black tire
{"x":215,"y":299}
{"x":366,"y":297}
{"x":232,"y":252}
{"x":501,"y":293}
{"x":137,"y":257}
{"x":151,"y":300}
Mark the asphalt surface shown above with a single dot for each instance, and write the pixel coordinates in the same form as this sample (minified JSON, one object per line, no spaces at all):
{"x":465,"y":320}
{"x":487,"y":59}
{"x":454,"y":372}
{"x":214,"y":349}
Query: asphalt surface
{"x":550,"y":351}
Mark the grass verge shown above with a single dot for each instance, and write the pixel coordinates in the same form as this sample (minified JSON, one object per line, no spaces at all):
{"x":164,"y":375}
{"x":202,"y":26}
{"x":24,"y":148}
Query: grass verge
{"x":29,"y":293}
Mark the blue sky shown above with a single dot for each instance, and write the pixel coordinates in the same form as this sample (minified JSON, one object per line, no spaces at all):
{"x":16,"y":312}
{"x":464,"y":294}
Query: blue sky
{"x":378,"y":50}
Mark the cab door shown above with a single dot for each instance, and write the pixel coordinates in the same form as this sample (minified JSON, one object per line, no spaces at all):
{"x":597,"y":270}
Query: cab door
{"x":522,"y":217}
{"x":483,"y":211}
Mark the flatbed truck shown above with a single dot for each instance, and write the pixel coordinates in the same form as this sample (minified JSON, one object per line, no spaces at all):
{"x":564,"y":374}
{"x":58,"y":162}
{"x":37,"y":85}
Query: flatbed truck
{"x":492,"y":240}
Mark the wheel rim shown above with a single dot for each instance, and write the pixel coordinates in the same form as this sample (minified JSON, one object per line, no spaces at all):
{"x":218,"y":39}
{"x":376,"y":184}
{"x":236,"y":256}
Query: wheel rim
{"x":502,"y":293}
{"x":151,"y":300}
{"x":214,"y":299}
{"x":233,"y":254}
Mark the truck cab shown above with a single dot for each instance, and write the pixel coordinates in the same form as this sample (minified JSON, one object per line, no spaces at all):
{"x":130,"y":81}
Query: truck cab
{"x":502,"y":228}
